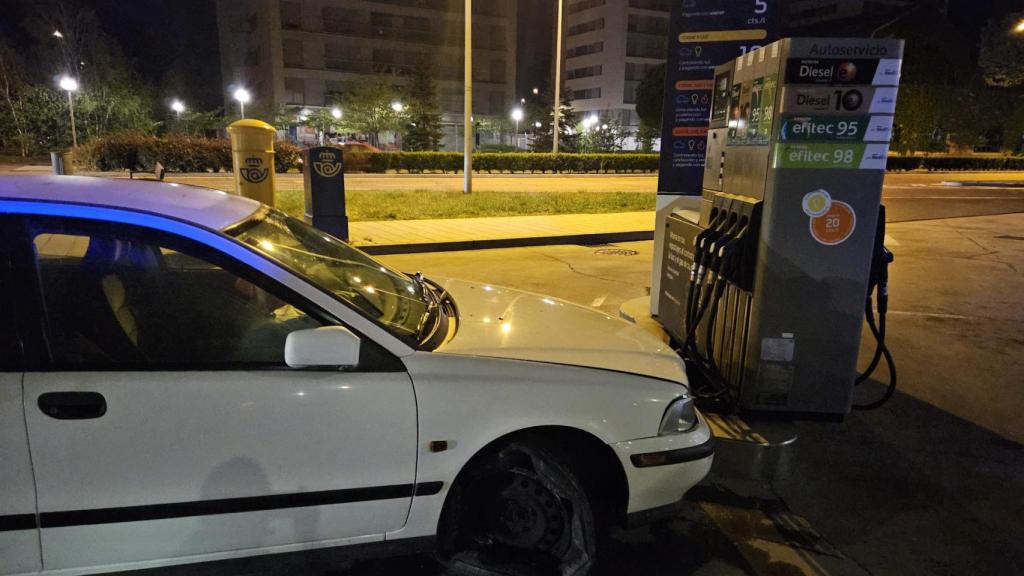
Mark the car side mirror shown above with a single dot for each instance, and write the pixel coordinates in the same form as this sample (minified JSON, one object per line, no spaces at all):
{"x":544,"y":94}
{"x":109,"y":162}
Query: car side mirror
{"x":324,"y":347}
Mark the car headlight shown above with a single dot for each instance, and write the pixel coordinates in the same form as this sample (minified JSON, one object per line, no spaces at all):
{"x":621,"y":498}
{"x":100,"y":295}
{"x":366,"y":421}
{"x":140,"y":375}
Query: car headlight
{"x":680,"y":416}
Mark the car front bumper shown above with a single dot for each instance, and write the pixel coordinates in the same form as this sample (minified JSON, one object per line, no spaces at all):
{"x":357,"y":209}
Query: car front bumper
{"x":661,"y":469}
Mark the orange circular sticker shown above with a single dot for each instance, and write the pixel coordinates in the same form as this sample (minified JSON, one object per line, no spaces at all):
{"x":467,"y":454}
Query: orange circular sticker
{"x":836,"y":225}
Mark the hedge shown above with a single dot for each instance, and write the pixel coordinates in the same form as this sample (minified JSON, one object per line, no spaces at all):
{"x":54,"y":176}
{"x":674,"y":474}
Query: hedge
{"x":955,"y":163}
{"x":176,"y":152}
{"x":179,"y":153}
{"x":512,"y":162}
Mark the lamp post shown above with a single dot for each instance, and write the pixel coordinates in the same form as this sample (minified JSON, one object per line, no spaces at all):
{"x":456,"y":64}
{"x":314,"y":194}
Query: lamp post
{"x":243,"y":97}
{"x":397,"y":106}
{"x":467,"y":102}
{"x":558,"y":79}
{"x":1019,"y":29}
{"x":336,"y":113}
{"x":178,"y":106}
{"x":517,"y":115}
{"x":70,"y":85}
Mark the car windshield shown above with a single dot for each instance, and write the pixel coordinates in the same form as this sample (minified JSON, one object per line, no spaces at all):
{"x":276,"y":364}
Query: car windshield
{"x":402,"y":304}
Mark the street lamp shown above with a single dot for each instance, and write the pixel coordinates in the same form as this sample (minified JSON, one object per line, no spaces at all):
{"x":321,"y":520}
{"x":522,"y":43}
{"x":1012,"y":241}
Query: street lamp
{"x":336,"y":113}
{"x":536,"y":91}
{"x":517,"y":115}
{"x":178,"y":106}
{"x":243,"y":97}
{"x":1020,"y":26}
{"x":57,"y":34}
{"x":397,"y":106}
{"x":70,"y":85}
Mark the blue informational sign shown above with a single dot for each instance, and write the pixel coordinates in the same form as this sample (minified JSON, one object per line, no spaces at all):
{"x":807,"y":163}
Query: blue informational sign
{"x":702,"y":35}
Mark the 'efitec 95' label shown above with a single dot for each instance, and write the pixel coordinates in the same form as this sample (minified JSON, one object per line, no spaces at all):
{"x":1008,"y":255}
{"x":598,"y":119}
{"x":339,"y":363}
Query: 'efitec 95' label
{"x":816,"y":155}
{"x":844,"y":128}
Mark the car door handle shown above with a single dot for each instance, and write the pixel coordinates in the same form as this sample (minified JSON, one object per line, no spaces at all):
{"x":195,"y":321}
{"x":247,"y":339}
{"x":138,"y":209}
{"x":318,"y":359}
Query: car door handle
{"x":73,"y":405}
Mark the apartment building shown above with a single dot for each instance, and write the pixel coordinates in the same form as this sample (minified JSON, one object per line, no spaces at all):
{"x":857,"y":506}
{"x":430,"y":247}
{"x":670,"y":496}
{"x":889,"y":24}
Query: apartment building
{"x":609,"y":46}
{"x":304,"y":52}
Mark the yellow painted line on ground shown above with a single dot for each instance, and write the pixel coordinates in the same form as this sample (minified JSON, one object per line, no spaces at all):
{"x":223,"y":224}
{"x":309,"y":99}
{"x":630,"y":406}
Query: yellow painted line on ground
{"x":733,"y":428}
{"x":758,"y":541}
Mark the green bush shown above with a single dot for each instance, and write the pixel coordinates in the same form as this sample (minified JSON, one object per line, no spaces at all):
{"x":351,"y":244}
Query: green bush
{"x":176,"y":152}
{"x":507,"y":162}
{"x":955,"y":163}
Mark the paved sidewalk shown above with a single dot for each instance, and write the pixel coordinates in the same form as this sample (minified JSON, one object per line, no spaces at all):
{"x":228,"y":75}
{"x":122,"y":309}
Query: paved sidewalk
{"x":404,"y":236}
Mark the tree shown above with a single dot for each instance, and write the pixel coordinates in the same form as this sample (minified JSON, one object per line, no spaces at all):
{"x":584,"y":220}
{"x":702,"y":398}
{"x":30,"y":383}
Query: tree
{"x":1002,"y":51}
{"x":322,"y":121}
{"x":542,"y":136}
{"x":650,"y":100}
{"x":423,"y":131}
{"x":12,"y":89}
{"x":604,"y":135}
{"x":368,"y":108}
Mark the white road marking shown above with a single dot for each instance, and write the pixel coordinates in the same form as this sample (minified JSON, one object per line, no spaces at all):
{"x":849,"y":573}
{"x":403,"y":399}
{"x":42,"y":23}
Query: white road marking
{"x":928,"y":314}
{"x":953,"y":198}
{"x":598,"y":301}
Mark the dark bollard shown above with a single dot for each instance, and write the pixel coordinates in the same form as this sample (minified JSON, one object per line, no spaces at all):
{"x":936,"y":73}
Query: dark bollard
{"x":62,"y":163}
{"x":324,"y":177}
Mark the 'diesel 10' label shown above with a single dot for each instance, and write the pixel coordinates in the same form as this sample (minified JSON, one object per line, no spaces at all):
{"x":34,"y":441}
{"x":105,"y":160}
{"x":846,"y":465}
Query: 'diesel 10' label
{"x":838,"y":100}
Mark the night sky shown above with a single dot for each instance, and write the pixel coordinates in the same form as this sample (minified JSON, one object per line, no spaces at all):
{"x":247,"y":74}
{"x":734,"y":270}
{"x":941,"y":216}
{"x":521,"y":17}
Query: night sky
{"x":174,"y":46}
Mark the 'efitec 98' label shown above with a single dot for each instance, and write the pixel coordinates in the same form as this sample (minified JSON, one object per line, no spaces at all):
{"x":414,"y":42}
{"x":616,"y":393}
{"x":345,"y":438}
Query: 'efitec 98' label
{"x":830,"y":156}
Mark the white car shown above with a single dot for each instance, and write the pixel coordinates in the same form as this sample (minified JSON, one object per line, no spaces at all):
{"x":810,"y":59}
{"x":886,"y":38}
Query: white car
{"x":191,"y":376}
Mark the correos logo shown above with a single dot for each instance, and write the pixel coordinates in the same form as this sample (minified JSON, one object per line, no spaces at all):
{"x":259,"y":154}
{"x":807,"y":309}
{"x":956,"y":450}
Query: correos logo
{"x":253,"y":172}
{"x":327,"y":166}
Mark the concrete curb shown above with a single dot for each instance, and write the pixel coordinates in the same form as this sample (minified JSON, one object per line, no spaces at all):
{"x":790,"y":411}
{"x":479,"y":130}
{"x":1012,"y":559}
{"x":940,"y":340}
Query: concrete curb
{"x":596,"y":238}
{"x":982,"y":184}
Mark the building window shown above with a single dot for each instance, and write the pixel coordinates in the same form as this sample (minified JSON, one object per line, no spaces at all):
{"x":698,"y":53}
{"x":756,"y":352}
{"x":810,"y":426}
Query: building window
{"x":584,"y":49}
{"x":647,"y":25}
{"x":584,"y":5}
{"x":585,"y":72}
{"x":496,"y":102}
{"x":585,"y":27}
{"x":629,"y":91}
{"x":291,"y":15}
{"x":292,"y":53}
{"x":635,"y":71}
{"x":586,"y":94}
{"x":659,"y":5}
{"x":295,"y":90}
{"x":646,"y":47}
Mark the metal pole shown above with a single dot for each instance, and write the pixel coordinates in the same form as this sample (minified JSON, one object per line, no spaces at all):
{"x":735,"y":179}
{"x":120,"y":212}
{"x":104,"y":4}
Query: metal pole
{"x":467,"y":143}
{"x":241,"y":106}
{"x":558,"y":80}
{"x":71,"y":108}
{"x":517,"y":135}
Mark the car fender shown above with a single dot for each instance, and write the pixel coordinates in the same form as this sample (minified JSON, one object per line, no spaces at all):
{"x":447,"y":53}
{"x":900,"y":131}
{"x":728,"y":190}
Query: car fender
{"x":469,"y":402}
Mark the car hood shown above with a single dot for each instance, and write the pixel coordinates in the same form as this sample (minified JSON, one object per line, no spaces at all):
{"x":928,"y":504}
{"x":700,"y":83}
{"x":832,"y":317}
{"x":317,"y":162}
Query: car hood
{"x":504,"y":323}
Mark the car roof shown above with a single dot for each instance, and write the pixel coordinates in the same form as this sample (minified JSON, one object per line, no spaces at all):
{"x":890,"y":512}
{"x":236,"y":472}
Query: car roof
{"x":203,"y":206}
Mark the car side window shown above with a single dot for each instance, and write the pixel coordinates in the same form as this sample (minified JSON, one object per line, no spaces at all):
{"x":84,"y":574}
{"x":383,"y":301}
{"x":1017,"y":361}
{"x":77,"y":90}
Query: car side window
{"x":10,"y":344}
{"x":114,"y":300}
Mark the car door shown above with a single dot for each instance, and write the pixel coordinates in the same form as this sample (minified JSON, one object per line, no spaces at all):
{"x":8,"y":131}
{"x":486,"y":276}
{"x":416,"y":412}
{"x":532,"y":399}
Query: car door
{"x":19,"y":536}
{"x":164,"y":423}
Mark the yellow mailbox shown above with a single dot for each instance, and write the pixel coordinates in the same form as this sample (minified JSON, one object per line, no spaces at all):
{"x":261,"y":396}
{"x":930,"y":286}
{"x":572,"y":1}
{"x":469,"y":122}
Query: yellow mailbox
{"x":252,"y":153}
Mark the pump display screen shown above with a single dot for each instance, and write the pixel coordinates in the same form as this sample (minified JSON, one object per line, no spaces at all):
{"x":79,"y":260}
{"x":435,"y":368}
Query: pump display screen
{"x":720,"y":105}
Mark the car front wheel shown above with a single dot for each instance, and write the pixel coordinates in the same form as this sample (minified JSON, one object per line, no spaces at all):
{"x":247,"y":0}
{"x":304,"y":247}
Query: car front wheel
{"x":518,"y":511}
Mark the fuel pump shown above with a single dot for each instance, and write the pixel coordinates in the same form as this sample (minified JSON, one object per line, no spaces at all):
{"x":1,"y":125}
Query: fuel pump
{"x":765,"y":287}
